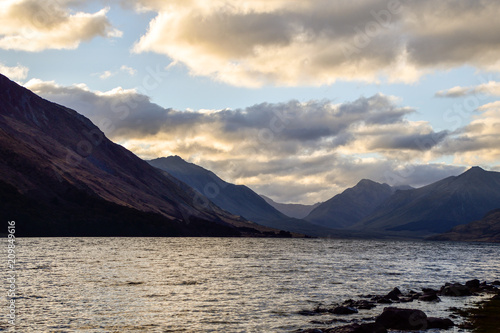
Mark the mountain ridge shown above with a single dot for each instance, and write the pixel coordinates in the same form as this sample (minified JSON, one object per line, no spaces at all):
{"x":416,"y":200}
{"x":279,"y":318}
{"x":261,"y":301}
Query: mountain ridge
{"x":57,"y":161}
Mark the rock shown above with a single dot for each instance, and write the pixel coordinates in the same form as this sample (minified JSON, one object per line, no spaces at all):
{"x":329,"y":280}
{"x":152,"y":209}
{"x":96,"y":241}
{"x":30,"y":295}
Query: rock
{"x":406,"y":299}
{"x":473,"y":284}
{"x":496,"y":297}
{"x":311,"y":330}
{"x":402,"y":319}
{"x":496,"y":283}
{"x":455,"y":289}
{"x":439,"y":323}
{"x":429,"y":298}
{"x":394,"y":294}
{"x":361,"y":304}
{"x":429,"y":295}
{"x":343,"y":310}
{"x":356,"y":328}
{"x":384,"y":300}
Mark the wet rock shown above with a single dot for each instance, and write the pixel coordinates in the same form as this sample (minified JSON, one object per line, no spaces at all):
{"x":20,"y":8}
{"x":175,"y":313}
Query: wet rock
{"x":394,"y":294}
{"x":439,"y":323}
{"x":384,"y":300}
{"x":455,"y":289}
{"x":406,"y":299}
{"x":402,"y":319}
{"x":343,"y":310}
{"x":496,"y":283}
{"x":430,"y":295}
{"x":473,"y":284}
{"x":356,"y":328}
{"x":361,"y":304}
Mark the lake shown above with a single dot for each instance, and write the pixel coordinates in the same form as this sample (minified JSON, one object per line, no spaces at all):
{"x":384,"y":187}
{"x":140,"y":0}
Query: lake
{"x":224,"y":284}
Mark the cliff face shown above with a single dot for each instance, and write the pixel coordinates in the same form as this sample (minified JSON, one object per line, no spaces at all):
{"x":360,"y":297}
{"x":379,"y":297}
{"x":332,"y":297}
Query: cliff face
{"x":60,"y":175}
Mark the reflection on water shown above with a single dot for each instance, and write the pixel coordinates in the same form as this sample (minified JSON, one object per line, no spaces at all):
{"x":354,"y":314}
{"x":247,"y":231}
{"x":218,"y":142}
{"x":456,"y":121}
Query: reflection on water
{"x":224,"y":284}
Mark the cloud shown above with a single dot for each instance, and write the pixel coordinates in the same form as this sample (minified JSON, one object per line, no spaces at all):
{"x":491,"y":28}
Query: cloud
{"x":33,"y":26}
{"x":123,"y":69}
{"x":292,"y":151}
{"x":489,"y":88}
{"x":14,"y":73}
{"x":477,"y":143}
{"x":315,"y":42}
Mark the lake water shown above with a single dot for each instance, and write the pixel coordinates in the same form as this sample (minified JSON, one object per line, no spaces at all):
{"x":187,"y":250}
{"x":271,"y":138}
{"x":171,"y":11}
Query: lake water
{"x":224,"y":284}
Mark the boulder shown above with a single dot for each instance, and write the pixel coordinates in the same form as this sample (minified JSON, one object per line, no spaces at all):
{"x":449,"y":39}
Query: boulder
{"x":429,"y":295}
{"x":402,"y":319}
{"x":394,"y":294}
{"x":473,"y":284}
{"x":455,"y":289}
{"x":439,"y":323}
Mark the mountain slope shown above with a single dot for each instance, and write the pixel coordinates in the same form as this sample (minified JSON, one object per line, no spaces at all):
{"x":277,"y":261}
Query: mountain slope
{"x":60,"y":175}
{"x":485,"y":230}
{"x":237,"y":199}
{"x":437,"y":207}
{"x":350,"y":206}
{"x":297,"y":211}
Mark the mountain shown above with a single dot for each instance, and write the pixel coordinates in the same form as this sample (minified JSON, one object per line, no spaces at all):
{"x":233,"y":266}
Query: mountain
{"x":437,"y":207}
{"x":485,"y":230}
{"x":237,"y":199}
{"x":297,"y":211}
{"x":350,"y":206}
{"x":61,"y":176}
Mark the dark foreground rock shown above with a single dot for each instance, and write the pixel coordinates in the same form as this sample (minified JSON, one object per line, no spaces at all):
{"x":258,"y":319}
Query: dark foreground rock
{"x":402,"y":319}
{"x":439,"y":323}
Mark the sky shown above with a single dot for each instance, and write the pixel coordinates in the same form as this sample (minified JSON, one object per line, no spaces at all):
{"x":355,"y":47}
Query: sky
{"x":297,"y":99}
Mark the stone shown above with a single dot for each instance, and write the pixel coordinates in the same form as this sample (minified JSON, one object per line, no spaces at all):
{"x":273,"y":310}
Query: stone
{"x":473,"y":284}
{"x":394,"y":294}
{"x":439,"y":323}
{"x":455,"y":289}
{"x":402,"y":319}
{"x":344,"y":310}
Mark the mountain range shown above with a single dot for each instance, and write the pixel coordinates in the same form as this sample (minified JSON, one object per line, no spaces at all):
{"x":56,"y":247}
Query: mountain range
{"x":298,"y":211}
{"x":237,"y":199}
{"x":437,"y":207}
{"x":350,"y":206}
{"x":61,"y":176}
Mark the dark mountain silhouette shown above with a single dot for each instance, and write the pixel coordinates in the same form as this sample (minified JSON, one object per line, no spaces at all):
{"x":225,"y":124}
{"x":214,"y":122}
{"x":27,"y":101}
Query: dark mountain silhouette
{"x":350,"y":206}
{"x":237,"y":199}
{"x":60,"y":176}
{"x":485,"y":230}
{"x":297,"y":211}
{"x":437,"y":207}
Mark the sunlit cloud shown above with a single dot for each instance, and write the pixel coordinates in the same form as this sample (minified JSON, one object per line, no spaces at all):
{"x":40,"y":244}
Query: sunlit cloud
{"x":31,"y":25}
{"x":325,"y":147}
{"x":490,"y":88}
{"x":315,"y":42}
{"x":15,"y":72}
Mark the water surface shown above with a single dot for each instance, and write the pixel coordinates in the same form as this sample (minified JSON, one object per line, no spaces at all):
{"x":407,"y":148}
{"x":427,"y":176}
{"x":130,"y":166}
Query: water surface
{"x":225,"y":284}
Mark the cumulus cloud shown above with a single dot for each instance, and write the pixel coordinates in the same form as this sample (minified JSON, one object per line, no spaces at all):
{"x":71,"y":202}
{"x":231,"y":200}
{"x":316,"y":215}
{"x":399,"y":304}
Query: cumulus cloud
{"x":14,"y":73}
{"x":32,"y":25}
{"x":489,"y":88}
{"x":292,"y":151}
{"x":314,"y":42}
{"x":477,"y":143}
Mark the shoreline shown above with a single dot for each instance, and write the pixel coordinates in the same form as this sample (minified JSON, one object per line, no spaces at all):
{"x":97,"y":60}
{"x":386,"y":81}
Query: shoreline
{"x":483,"y":317}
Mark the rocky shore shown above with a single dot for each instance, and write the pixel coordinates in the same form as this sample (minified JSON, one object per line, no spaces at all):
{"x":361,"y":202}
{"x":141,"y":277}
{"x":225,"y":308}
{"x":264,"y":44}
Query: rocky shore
{"x":413,"y":319}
